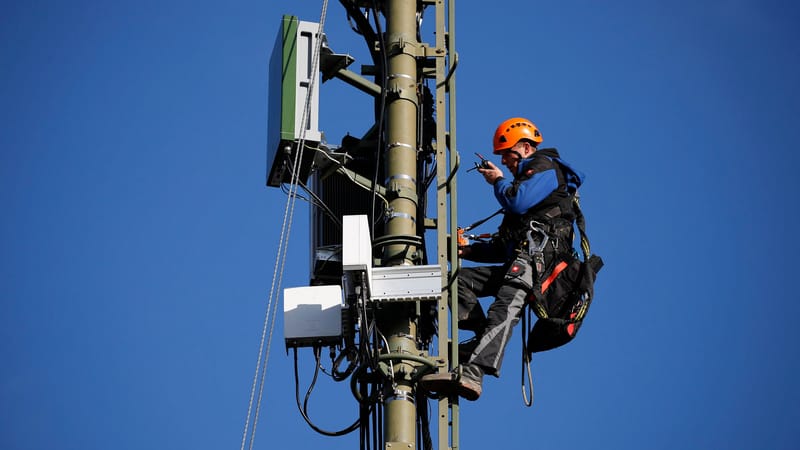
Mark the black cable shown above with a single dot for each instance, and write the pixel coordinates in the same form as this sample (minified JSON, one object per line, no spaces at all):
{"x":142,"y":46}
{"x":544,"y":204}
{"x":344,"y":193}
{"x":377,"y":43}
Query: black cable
{"x":381,"y":112}
{"x":365,"y":427}
{"x":379,"y":413}
{"x":375,"y":427}
{"x":352,"y":354}
{"x":304,"y":409}
{"x":321,"y":204}
{"x":363,"y":26}
{"x":368,"y":327}
{"x":288,"y":192}
{"x":318,"y":202}
{"x":424,"y":425}
{"x":482,"y":221}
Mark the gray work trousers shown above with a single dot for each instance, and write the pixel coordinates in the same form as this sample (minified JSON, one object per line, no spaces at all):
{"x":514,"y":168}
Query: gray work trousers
{"x":510,"y":285}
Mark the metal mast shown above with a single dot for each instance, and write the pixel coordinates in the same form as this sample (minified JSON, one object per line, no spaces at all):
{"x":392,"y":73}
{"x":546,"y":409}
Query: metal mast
{"x":403,"y":84}
{"x":401,"y":228}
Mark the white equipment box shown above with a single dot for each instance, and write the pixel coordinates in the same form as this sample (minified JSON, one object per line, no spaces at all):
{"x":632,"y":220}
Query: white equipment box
{"x":312,"y":315}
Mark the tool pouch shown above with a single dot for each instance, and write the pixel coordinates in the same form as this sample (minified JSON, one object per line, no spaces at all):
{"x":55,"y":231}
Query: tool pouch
{"x":560,"y":302}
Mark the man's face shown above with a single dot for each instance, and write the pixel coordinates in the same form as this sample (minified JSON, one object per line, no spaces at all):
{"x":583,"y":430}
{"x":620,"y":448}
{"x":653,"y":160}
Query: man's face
{"x":511,"y":157}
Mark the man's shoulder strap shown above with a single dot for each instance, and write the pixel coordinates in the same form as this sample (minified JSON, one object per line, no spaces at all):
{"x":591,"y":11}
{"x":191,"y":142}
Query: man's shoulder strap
{"x":541,"y":160}
{"x":549,"y":152}
{"x":580,"y":221}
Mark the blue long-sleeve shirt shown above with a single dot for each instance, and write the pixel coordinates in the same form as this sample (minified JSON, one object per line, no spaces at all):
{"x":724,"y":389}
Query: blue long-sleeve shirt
{"x":517,"y":198}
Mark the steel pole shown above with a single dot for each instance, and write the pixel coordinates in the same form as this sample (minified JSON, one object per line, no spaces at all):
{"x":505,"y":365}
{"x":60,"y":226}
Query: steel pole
{"x":402,"y":105}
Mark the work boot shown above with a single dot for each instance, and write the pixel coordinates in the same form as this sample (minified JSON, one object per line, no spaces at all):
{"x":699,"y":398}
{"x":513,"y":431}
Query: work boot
{"x":471,"y":381}
{"x":464,"y":381}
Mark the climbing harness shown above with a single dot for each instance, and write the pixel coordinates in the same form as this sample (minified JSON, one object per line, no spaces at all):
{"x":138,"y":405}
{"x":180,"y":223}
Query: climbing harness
{"x":560,"y":299}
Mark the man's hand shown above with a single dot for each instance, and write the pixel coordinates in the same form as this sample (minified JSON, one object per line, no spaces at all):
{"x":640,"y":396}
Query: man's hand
{"x":492,"y":173}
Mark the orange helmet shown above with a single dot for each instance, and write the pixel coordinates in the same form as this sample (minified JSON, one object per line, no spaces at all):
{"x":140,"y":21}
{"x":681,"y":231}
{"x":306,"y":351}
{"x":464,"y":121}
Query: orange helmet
{"x":512,"y":131}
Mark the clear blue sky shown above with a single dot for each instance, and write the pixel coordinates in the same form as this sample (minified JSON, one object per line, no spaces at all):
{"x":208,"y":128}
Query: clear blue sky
{"x":138,"y":238}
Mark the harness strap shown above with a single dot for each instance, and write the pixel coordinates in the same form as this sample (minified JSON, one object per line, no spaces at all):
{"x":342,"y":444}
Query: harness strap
{"x":580,"y":221}
{"x":557,"y":270}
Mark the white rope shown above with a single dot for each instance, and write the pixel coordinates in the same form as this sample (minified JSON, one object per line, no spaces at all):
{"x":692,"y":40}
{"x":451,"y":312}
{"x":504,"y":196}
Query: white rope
{"x":280,"y":257}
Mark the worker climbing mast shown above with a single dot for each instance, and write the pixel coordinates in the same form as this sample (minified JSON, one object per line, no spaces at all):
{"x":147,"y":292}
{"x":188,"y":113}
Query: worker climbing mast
{"x":373,"y":297}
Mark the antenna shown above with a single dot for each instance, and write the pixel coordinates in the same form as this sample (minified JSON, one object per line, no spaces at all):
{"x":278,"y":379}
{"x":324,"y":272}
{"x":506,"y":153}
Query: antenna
{"x":373,"y":297}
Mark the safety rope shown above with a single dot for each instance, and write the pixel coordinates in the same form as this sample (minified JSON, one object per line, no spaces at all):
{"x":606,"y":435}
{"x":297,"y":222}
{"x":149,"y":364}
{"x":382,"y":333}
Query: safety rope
{"x":527,"y":389}
{"x":280,"y":257}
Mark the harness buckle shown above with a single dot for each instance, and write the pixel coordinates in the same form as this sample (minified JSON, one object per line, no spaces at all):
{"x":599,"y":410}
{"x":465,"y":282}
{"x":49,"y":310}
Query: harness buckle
{"x":537,"y":241}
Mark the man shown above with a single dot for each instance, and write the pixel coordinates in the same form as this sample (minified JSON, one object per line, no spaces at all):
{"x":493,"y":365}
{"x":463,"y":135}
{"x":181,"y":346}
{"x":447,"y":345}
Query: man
{"x":537,"y":226}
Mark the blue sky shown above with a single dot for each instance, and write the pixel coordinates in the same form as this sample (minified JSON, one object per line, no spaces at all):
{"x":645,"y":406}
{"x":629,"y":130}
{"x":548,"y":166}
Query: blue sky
{"x":139,"y":240}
